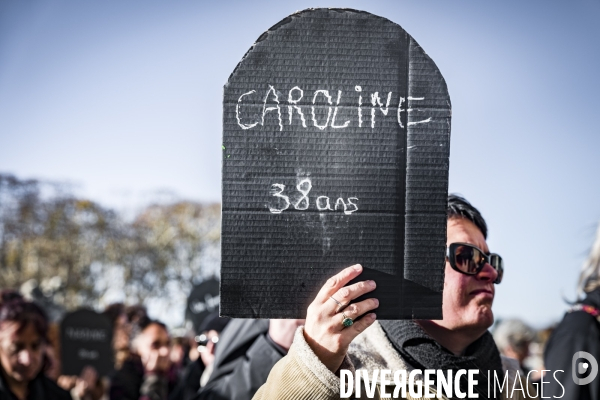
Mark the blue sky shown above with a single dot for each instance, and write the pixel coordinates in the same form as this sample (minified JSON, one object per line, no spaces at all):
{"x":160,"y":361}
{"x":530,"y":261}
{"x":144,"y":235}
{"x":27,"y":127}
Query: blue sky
{"x":123,"y":100}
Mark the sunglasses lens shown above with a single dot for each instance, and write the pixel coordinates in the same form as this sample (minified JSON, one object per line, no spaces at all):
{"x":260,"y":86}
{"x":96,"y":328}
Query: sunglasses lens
{"x":467,"y":259}
{"x":496,"y":262}
{"x":470,"y":260}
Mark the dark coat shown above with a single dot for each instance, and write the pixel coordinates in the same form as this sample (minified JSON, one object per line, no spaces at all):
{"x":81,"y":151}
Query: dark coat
{"x":130,"y":383}
{"x":578,"y":331}
{"x":243,"y":359}
{"x":41,"y":388}
{"x":189,"y":384}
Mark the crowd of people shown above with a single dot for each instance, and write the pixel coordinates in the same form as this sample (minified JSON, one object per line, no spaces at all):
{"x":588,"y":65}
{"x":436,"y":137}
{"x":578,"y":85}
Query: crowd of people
{"x":302,"y":359}
{"x":149,"y":364}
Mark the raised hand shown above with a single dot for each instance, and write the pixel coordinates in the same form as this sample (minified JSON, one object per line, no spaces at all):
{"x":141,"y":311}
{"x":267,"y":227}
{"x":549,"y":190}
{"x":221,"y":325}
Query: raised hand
{"x":324,"y":330}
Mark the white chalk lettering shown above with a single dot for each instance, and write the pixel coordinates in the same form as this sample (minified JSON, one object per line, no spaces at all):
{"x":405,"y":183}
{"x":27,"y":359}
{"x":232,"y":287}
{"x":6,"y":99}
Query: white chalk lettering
{"x":359,"y":89}
{"x":274,"y":192}
{"x":424,"y":121}
{"x":327,"y":205}
{"x":307,"y":184}
{"x":322,"y":202}
{"x":375,"y":100}
{"x":337,"y":103}
{"x":269,"y":109}
{"x":402,"y":100}
{"x":314,"y":118}
{"x":348,"y":212}
{"x":338,"y":202}
{"x":295,"y":101}
{"x":296,"y":94}
{"x":237,"y":112}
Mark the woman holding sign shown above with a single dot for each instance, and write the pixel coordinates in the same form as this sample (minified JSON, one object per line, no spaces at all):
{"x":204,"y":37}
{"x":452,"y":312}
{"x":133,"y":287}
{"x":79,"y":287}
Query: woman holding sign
{"x":341,"y":337}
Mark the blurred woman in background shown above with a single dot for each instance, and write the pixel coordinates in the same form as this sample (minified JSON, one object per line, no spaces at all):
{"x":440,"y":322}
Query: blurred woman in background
{"x":578,"y":331}
{"x":513,"y":338}
{"x":23,"y":338}
{"x":147,"y":374}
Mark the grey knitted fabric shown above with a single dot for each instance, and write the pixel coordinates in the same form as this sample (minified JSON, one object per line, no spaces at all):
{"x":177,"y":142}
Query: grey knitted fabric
{"x":423,"y":352}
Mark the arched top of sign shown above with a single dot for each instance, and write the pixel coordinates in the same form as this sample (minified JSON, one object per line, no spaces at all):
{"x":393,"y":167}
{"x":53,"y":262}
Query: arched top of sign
{"x":336,"y":135}
{"x":86,"y":339}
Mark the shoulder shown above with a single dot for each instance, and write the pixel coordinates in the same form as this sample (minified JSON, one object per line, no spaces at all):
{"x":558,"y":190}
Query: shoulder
{"x":237,"y":337}
{"x":575,"y":327}
{"x":239,"y":331}
{"x":579,"y":318}
{"x":244,"y":328}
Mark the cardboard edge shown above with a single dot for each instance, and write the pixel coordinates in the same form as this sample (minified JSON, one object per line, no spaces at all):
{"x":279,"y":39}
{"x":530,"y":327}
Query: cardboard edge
{"x":411,"y":155}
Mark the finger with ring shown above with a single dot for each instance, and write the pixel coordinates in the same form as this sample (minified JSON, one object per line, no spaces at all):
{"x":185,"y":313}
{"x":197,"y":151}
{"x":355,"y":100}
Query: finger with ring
{"x":340,"y":305}
{"x":346,"y":322}
{"x":355,"y":310}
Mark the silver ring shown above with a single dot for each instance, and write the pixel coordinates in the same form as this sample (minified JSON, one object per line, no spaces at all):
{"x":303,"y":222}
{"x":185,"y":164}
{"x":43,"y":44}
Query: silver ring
{"x":340,"y":305}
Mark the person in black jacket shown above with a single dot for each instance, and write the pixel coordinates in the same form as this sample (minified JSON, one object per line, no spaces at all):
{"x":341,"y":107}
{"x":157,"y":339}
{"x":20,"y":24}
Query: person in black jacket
{"x":23,"y":337}
{"x":196,"y":374}
{"x":578,"y":331}
{"x":247,"y":350}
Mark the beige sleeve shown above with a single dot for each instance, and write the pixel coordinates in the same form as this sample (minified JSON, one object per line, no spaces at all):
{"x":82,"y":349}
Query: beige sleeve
{"x":300,"y":375}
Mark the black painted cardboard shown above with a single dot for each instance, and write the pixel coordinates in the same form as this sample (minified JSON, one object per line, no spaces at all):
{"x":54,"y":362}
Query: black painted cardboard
{"x":336,"y":138}
{"x":86,"y":339}
{"x":203,"y":299}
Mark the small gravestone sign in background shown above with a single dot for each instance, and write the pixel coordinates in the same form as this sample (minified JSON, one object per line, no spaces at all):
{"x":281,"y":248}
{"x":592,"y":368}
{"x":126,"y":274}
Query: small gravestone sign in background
{"x":203,"y":299}
{"x":336,"y":137}
{"x":86,"y":339}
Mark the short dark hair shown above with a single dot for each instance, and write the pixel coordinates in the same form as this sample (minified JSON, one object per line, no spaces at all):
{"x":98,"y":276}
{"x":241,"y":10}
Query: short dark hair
{"x":14,"y":308}
{"x":139,"y":326}
{"x":459,"y":207}
{"x":114,"y":312}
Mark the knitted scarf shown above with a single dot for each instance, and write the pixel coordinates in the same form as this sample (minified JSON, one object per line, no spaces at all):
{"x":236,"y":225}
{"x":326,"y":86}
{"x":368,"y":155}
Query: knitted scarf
{"x":422,"y":352}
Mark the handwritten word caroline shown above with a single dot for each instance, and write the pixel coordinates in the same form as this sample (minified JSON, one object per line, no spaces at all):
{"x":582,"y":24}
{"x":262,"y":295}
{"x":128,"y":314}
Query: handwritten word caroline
{"x":272,"y":103}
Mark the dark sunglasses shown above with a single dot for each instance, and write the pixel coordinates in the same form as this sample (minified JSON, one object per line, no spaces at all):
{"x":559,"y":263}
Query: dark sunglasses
{"x":470,"y":260}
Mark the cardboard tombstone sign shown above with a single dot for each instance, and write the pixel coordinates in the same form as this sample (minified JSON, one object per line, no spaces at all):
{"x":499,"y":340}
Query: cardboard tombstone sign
{"x":86,"y":339}
{"x":336,"y":137}
{"x":203,"y":299}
